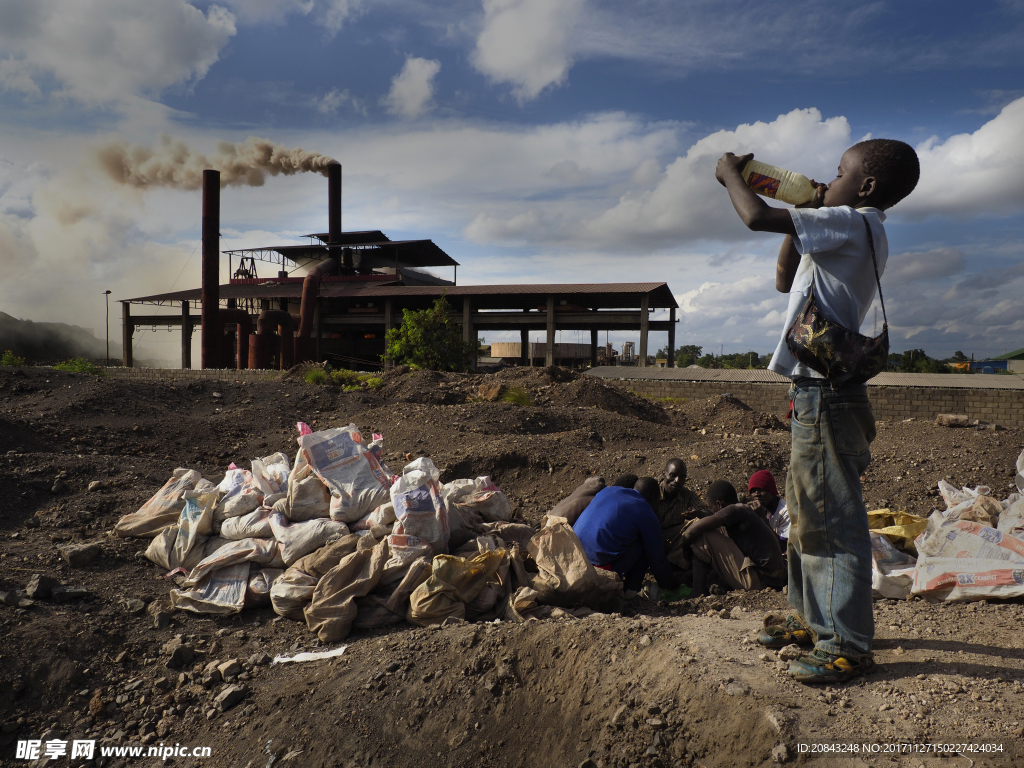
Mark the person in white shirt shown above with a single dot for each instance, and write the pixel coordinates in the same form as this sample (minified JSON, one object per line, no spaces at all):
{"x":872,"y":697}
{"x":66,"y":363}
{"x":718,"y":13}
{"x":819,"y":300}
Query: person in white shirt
{"x":829,"y":246}
{"x":769,"y":504}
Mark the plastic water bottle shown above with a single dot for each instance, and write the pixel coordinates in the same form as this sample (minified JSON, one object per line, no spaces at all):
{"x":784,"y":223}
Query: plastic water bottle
{"x":778,"y":183}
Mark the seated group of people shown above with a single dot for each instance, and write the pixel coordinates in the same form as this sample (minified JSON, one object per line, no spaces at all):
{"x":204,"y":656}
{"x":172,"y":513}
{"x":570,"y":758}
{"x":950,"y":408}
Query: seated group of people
{"x":640,"y":525}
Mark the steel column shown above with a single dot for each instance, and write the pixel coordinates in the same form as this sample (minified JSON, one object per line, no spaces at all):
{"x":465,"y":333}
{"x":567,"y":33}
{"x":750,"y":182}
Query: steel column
{"x":593,"y":348}
{"x":127,"y":330}
{"x":549,"y":354}
{"x":186,"y":337}
{"x":672,"y":338}
{"x":644,"y":329}
{"x":211,"y":341}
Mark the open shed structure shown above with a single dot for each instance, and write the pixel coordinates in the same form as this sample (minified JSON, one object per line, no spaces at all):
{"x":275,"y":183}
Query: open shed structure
{"x":358,"y":287}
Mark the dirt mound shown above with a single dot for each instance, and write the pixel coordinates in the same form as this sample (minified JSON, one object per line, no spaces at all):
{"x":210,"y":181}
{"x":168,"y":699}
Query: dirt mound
{"x":728,"y":413}
{"x":427,"y":387}
{"x":658,"y":685}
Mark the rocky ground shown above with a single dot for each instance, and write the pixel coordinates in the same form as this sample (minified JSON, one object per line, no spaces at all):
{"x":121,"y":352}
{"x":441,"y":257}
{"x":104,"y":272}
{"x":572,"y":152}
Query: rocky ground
{"x":657,"y":685}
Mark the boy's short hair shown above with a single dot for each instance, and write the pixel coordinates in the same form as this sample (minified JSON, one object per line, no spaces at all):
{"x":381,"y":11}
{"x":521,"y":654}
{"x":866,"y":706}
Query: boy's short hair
{"x":648,"y":488}
{"x":627,"y":480}
{"x":894,"y":165}
{"x":723,"y":491}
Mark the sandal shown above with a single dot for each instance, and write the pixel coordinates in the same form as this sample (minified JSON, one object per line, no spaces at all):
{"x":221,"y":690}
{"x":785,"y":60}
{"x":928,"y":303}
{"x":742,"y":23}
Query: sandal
{"x":822,"y":667}
{"x":787,"y":632}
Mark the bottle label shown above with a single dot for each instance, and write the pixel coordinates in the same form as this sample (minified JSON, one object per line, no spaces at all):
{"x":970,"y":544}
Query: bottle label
{"x":764,"y":185}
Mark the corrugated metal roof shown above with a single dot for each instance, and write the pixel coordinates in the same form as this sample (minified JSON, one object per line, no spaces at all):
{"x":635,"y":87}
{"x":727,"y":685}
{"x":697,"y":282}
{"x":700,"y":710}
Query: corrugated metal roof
{"x":353,"y":238}
{"x":763,"y":376}
{"x":411,"y":253}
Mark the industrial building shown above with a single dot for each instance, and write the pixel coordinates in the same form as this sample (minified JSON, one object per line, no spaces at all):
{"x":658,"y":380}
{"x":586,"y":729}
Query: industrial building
{"x":356,"y":288}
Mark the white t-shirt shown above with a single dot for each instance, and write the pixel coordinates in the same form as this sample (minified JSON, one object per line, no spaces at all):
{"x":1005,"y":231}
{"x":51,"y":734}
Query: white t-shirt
{"x":779,"y":520}
{"x":836,"y":258}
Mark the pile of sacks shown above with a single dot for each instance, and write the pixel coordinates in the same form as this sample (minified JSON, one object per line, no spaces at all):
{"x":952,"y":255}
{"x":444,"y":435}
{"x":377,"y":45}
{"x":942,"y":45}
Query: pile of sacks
{"x":972,"y":550}
{"x":337,"y":540}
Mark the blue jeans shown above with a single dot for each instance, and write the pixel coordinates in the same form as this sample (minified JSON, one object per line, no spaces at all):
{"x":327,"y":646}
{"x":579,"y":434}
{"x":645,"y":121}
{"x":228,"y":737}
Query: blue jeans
{"x":829,"y":546}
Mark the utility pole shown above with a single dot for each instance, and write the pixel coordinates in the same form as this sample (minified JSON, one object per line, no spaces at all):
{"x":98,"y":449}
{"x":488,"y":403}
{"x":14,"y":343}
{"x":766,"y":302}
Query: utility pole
{"x":106,"y":298}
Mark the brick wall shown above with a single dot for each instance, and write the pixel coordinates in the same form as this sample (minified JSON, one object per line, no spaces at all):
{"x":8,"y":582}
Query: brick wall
{"x":177,"y":374}
{"x":1001,"y":406}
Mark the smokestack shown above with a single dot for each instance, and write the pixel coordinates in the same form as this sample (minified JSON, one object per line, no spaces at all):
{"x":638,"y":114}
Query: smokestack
{"x":334,"y":202}
{"x":211,"y":332}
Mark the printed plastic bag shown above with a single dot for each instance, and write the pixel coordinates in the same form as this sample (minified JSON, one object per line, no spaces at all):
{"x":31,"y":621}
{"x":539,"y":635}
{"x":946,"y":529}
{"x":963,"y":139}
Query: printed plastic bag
{"x":194,"y":524}
{"x":293,"y":591}
{"x":240,"y":494}
{"x":333,"y":608}
{"x":404,"y":551}
{"x":308,"y":497}
{"x":892,"y":571}
{"x":966,"y":539}
{"x":382,"y":515}
{"x":1011,"y":522}
{"x":454,"y":581}
{"x":256,"y":525}
{"x":967,"y":578}
{"x":298,"y":539}
{"x":357,"y":480}
{"x":261,"y":551}
{"x":900,"y":528}
{"x":565,"y":577}
{"x":257,"y":592}
{"x":271,"y":473}
{"x":376,"y":610}
{"x":480,"y":495}
{"x":162,"y":510}
{"x":221,"y":591}
{"x":419,"y":509}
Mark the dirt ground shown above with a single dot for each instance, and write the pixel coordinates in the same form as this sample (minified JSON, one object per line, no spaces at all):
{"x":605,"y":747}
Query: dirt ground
{"x":657,"y":685}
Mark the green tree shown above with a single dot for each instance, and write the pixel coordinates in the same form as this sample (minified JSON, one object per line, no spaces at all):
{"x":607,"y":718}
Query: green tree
{"x":430,"y":338}
{"x":688,"y":355}
{"x":959,"y":357}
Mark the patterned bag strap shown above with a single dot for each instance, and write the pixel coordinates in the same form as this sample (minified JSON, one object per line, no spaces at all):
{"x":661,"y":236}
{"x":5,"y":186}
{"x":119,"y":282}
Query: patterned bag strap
{"x":874,"y":263}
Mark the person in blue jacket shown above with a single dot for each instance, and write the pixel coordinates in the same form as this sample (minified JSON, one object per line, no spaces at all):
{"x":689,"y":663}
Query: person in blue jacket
{"x":620,"y":532}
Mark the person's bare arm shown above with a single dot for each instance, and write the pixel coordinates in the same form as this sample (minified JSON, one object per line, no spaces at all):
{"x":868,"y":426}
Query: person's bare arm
{"x":785,"y":269}
{"x":752,"y":210}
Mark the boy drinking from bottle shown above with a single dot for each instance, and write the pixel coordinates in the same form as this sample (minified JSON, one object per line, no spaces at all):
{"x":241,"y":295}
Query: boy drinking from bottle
{"x":827,"y":248}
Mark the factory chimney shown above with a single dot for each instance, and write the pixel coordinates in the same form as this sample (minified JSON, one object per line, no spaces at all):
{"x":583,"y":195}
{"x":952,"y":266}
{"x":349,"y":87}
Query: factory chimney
{"x":334,"y":202}
{"x":210,"y":343}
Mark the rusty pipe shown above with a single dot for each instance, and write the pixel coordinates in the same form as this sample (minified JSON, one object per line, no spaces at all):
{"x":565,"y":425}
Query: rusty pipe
{"x":271,"y":320}
{"x":210,"y":336}
{"x":244,"y":321}
{"x":310,"y":289}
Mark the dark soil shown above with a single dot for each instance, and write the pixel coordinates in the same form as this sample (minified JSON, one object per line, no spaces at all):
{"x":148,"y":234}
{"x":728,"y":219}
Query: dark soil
{"x":657,"y":685}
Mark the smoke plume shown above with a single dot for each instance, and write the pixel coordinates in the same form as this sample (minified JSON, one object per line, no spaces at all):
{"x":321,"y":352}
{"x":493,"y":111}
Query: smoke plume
{"x":171,"y":163}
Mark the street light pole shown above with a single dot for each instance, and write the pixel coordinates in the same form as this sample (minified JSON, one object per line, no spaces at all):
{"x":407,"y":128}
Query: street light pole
{"x":106,"y":298}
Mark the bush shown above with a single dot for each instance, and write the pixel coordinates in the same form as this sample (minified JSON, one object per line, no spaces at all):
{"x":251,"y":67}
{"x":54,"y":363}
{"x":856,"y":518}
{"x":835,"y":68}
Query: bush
{"x":317,"y":376}
{"x":516,"y":396}
{"x":79,"y":365}
{"x":9,"y":358}
{"x":430,"y":338}
{"x":345,"y":378}
{"x":372,"y":382}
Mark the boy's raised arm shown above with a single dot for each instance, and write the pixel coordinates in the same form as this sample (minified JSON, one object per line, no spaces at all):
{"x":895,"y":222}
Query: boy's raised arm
{"x":753,"y":211}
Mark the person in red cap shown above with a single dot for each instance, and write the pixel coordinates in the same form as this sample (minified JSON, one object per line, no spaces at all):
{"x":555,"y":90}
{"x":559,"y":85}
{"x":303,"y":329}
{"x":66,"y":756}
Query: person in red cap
{"x":769,"y":504}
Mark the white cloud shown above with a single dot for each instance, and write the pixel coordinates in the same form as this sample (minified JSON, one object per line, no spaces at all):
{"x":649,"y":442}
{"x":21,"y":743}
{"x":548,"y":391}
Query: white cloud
{"x":335,"y":100}
{"x":936,"y":264}
{"x":527,"y":43}
{"x":413,"y":88}
{"x":106,"y":50}
{"x":973,"y":173}
{"x":329,"y":14}
{"x":685,"y":202}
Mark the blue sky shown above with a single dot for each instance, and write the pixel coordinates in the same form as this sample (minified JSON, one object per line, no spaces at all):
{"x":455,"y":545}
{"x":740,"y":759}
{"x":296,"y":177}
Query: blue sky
{"x":534,"y":140}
